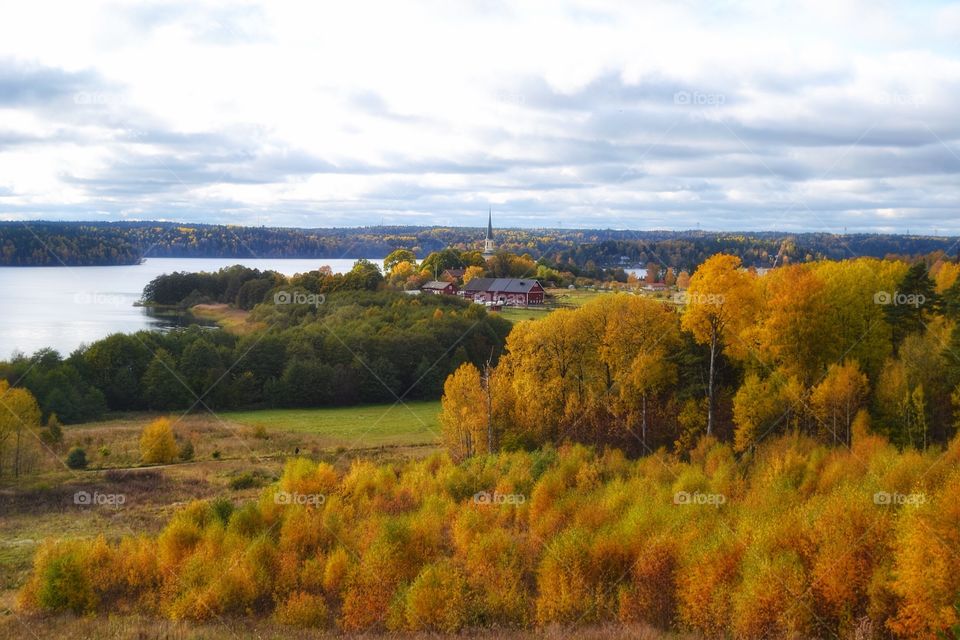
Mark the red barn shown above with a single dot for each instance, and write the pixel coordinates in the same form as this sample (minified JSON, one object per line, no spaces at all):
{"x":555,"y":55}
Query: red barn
{"x":506,"y":291}
{"x":437,"y":287}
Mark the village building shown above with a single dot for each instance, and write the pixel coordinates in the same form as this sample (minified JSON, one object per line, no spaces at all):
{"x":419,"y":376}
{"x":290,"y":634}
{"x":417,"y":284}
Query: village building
{"x":453,"y":275}
{"x":439,"y":288}
{"x":504,"y":291}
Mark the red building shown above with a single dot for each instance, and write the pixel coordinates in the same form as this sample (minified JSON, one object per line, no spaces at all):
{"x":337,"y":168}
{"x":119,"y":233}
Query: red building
{"x":505,"y":291}
{"x":438,"y":288}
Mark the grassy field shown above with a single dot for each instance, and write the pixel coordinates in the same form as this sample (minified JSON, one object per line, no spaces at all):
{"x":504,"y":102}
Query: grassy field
{"x":412,"y":423}
{"x":560,"y":298}
{"x":516,"y":314}
{"x":575,"y":297}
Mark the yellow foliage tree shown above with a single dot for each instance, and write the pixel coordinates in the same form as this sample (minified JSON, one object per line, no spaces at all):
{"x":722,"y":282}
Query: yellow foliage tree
{"x":473,"y":272}
{"x":464,"y":418}
{"x":19,"y":414}
{"x":758,"y":408}
{"x":721,"y":301}
{"x":157,"y":444}
{"x":837,"y":399}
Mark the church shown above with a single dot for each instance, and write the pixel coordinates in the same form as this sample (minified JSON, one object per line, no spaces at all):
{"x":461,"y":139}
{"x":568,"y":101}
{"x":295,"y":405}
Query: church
{"x":489,"y":246}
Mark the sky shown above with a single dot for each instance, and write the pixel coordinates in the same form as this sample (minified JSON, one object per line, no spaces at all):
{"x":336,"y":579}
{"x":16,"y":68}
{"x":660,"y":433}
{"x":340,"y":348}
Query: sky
{"x":827,"y":115}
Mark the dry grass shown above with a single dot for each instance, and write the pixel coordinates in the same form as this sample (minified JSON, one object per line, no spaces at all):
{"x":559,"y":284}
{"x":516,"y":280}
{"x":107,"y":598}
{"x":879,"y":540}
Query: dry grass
{"x":138,"y":628}
{"x":231,"y":319}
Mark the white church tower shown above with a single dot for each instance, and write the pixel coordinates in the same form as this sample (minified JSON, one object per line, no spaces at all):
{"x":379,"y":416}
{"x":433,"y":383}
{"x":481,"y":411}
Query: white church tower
{"x":489,"y":246}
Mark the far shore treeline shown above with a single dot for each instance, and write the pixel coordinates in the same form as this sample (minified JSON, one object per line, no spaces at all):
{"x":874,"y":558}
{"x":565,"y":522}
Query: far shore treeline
{"x":46,"y":243}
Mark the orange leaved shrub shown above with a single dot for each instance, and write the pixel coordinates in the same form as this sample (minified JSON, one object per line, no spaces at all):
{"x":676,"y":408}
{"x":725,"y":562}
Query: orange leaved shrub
{"x":794,"y":539}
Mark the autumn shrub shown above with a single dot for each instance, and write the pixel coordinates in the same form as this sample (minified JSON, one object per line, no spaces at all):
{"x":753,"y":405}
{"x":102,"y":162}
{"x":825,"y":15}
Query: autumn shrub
{"x":708,"y":577}
{"x":498,"y":573}
{"x":926,"y":572}
{"x":157,"y":443}
{"x":371,"y":585}
{"x":566,"y":591}
{"x":800,"y":545}
{"x":772,"y":599}
{"x":302,"y":609}
{"x":852,"y":538}
{"x":650,"y":594}
{"x":61,"y":580}
{"x":437,"y":599}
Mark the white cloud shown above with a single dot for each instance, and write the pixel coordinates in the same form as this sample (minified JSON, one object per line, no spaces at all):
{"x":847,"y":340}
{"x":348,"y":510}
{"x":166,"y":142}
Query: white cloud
{"x":582,"y":113}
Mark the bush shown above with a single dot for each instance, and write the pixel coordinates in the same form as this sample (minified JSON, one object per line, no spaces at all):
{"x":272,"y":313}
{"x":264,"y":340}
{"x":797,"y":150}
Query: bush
{"x":186,"y":450}
{"x":157,"y":444}
{"x":302,"y":609}
{"x":53,"y":433}
{"x":791,"y":553}
{"x":245,"y":480}
{"x":77,"y":458}
{"x":436,"y":601}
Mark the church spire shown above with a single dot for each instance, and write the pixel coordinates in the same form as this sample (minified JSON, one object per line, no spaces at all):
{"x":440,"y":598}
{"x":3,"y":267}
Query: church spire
{"x":489,"y":247}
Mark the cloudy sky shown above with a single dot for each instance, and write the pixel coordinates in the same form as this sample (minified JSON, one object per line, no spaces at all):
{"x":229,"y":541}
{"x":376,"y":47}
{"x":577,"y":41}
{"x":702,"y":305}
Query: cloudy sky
{"x":823,"y":115}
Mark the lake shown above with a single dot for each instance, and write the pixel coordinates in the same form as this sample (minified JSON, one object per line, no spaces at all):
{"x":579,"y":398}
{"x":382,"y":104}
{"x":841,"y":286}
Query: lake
{"x":64,"y":307}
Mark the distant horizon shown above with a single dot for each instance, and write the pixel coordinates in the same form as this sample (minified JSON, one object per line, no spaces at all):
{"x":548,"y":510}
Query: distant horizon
{"x":482,"y":228}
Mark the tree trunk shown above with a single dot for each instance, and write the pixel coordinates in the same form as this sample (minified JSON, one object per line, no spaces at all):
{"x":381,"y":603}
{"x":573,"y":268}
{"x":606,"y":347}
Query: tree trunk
{"x":713,"y":355}
{"x":16,"y":460}
{"x":489,"y":409}
{"x":644,"y":423}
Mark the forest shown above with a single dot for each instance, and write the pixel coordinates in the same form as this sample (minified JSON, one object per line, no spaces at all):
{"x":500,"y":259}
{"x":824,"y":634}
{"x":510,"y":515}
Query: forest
{"x":45,"y":243}
{"x":799,"y":350}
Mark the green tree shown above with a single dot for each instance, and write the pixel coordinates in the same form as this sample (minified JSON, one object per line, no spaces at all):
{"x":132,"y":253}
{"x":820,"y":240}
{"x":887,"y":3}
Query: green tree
{"x":912,"y":303}
{"x":398,"y":256}
{"x":163,"y":387}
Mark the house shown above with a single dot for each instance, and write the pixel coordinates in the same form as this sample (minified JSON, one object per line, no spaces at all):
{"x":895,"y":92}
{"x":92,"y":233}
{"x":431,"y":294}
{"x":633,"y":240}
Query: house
{"x":508,"y":291}
{"x":438,"y":288}
{"x":453,"y":275}
{"x":655,"y":286}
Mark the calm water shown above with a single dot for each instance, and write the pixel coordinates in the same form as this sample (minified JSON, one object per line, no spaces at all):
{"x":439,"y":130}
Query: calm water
{"x":64,"y":307}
